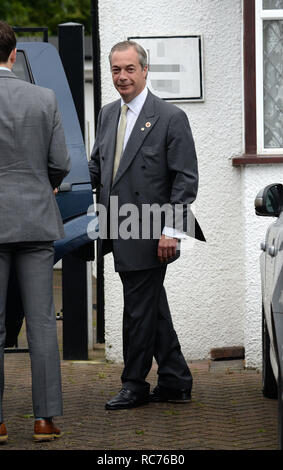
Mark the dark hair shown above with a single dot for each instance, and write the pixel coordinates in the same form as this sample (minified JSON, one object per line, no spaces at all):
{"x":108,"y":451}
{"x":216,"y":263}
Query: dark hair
{"x":8,"y":41}
{"x":124,"y":45}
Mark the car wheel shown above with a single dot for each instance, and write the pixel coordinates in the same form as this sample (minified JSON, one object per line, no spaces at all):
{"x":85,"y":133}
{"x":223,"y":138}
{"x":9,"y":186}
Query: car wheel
{"x":269,"y":384}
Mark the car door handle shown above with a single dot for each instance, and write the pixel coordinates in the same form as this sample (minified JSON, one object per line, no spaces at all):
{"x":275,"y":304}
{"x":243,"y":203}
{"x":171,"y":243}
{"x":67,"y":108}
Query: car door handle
{"x":272,"y":250}
{"x":263,"y":246}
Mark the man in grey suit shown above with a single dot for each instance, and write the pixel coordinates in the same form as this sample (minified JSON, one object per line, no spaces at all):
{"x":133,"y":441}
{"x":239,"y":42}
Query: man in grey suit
{"x":33,"y":162}
{"x":144,"y":156}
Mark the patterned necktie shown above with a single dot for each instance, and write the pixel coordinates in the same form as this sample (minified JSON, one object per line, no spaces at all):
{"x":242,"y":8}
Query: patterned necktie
{"x":120,"y":139}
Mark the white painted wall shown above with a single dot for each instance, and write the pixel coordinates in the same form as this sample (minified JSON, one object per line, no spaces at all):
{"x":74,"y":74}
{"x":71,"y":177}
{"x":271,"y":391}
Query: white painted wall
{"x":206,"y":287}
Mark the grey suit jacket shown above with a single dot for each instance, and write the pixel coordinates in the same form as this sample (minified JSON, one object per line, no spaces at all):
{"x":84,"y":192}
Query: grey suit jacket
{"x":33,"y":160}
{"x":158,"y":166}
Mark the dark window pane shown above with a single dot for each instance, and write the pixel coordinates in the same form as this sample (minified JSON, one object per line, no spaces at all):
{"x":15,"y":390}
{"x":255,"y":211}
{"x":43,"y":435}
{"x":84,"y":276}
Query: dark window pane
{"x":21,"y":68}
{"x":273,"y":83}
{"x":272,"y":4}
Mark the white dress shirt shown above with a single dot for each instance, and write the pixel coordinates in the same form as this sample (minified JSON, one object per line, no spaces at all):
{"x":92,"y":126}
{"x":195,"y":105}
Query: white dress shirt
{"x":133,"y":112}
{"x":5,"y":68}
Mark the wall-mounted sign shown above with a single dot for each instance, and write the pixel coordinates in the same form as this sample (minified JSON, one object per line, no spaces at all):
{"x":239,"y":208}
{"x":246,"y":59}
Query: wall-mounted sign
{"x":175,"y":66}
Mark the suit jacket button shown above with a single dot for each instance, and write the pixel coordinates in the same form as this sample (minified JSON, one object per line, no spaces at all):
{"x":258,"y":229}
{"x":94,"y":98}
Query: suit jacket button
{"x":137,"y":193}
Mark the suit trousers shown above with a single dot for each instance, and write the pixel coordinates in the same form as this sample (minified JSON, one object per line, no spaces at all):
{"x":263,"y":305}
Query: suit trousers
{"x":33,"y":264}
{"x":148,"y":332}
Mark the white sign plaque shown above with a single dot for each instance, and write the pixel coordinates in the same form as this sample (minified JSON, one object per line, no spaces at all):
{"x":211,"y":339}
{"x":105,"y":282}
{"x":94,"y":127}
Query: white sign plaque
{"x":175,"y":66}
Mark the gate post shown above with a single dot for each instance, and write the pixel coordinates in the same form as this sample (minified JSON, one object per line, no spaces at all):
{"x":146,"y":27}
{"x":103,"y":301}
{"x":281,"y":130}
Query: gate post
{"x":74,"y":269}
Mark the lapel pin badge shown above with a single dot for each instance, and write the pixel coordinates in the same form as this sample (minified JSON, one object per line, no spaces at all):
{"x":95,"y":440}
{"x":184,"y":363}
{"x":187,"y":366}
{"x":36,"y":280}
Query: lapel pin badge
{"x":147,"y":124}
{"x":142,"y":129}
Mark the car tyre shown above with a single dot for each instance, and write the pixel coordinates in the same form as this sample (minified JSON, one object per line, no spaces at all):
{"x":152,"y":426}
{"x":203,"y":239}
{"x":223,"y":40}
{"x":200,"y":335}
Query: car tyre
{"x":269,"y":384}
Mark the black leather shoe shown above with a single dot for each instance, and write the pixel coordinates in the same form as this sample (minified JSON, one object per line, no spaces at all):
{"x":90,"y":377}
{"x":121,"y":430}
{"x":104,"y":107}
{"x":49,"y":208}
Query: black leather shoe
{"x":127,"y":399}
{"x":162,"y":394}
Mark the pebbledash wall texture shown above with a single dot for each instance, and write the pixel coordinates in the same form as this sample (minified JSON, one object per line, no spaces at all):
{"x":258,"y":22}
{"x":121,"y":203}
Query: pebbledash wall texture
{"x":214,"y":288}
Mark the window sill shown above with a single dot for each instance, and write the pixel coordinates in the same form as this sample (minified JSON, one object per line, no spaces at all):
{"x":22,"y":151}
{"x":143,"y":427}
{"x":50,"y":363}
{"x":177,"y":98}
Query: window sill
{"x":257,"y":160}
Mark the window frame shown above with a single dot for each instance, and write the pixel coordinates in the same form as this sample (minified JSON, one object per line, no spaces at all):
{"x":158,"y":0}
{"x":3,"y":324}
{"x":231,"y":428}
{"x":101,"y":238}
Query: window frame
{"x":262,"y":15}
{"x":252,"y":153}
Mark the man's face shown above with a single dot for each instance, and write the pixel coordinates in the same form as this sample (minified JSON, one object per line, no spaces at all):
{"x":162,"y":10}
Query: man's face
{"x":128,"y":76}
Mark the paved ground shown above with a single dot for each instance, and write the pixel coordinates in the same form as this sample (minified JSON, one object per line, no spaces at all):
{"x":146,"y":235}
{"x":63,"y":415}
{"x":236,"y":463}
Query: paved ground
{"x":227,"y":412}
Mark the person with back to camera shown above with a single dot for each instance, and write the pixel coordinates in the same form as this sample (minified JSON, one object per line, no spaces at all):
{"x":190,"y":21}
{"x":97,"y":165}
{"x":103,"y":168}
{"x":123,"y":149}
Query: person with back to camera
{"x":33,"y":162}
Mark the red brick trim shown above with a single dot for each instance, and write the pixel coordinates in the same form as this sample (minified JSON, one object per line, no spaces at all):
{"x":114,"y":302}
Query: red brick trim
{"x":229,"y":352}
{"x":250,"y":77}
{"x":257,"y":159}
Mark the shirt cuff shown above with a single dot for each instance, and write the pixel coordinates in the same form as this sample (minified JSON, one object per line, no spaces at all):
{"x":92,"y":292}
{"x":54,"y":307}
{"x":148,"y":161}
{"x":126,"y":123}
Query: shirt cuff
{"x":172,"y":232}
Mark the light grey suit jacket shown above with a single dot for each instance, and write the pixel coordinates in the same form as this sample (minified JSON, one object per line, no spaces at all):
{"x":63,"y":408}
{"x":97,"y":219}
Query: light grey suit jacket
{"x":33,"y":160}
{"x":158,"y":166}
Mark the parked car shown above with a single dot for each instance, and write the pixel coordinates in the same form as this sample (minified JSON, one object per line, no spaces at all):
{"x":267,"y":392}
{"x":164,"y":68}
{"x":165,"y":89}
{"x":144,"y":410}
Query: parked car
{"x":40,"y":63}
{"x":269,"y":203}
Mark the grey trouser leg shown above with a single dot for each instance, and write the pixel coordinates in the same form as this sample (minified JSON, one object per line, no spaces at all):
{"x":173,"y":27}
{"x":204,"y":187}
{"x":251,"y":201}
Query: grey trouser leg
{"x":4,"y":277}
{"x":148,"y":332}
{"x":33,"y":263}
{"x":173,"y":371}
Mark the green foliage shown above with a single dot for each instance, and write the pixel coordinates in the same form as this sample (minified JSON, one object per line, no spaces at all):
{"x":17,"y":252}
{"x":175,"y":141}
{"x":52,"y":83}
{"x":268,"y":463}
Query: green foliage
{"x":42,"y":13}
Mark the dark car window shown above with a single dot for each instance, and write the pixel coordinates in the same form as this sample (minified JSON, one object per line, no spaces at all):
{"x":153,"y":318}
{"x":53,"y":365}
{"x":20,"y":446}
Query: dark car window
{"x":21,"y":67}
{"x":273,"y":199}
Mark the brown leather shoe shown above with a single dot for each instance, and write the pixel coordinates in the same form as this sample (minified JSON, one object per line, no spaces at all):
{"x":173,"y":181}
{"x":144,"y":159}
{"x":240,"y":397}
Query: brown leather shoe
{"x":3,"y":433}
{"x":45,"y":430}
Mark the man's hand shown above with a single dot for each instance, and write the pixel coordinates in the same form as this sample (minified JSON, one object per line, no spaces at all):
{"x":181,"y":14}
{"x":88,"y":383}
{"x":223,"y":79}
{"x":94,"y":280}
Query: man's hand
{"x":55,"y":191}
{"x":166,"y":248}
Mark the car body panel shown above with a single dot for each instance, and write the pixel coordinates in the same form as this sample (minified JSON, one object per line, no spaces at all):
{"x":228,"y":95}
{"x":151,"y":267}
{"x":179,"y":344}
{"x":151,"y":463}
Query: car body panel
{"x":271,"y":268}
{"x":273,"y":282}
